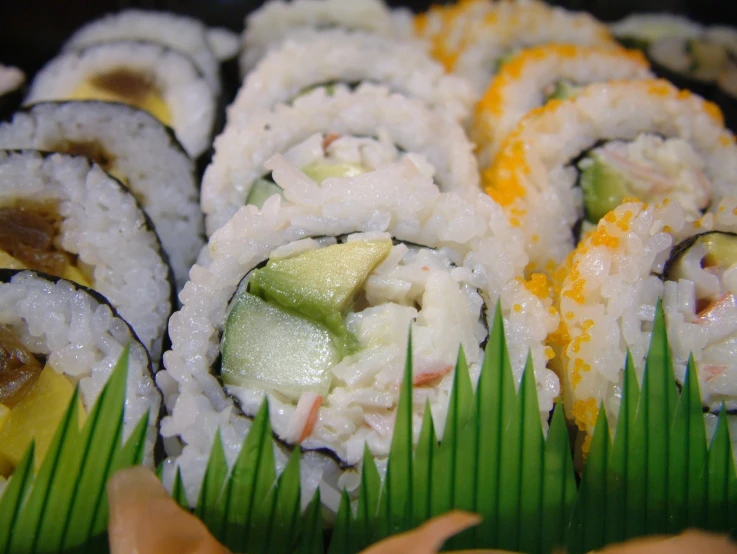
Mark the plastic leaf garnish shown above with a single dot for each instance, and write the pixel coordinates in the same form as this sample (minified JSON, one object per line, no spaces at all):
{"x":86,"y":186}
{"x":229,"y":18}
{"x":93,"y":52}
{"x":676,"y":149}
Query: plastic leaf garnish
{"x":65,"y":506}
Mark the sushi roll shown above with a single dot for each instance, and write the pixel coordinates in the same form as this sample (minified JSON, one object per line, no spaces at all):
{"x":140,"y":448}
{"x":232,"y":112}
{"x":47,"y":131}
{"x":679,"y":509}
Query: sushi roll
{"x":339,"y":56}
{"x":445,"y":28}
{"x":544,"y":73}
{"x":273,"y":22}
{"x":310,"y":304}
{"x":183,"y":34}
{"x":512,"y":26}
{"x":151,"y":77}
{"x":65,"y":216}
{"x":642,"y":30}
{"x":56,"y":335}
{"x":573,"y":161}
{"x":610,"y":286}
{"x":330,"y":132}
{"x":139,"y":151}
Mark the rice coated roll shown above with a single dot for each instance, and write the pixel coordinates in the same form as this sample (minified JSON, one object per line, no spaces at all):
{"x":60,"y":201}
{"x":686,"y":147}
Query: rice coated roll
{"x":56,"y":335}
{"x":543,"y":73}
{"x":512,"y":26}
{"x":611,"y":284}
{"x":183,"y":34}
{"x":133,"y":147}
{"x":575,"y":160}
{"x":338,"y":56}
{"x":310,"y":304}
{"x":331,"y":132}
{"x":151,"y":77}
{"x":273,"y":22}
{"x":64,"y":216}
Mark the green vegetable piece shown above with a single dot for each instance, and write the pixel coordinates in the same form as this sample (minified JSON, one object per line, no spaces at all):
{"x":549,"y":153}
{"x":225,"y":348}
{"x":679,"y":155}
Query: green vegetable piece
{"x":321,"y":284}
{"x":261,"y":190}
{"x":318,"y":172}
{"x":721,"y":252}
{"x":267,"y":347}
{"x":563,"y":90}
{"x":604,"y":188}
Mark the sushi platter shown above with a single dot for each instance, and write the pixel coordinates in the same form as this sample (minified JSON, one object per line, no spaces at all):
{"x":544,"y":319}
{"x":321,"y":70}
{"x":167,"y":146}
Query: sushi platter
{"x":345,"y":269}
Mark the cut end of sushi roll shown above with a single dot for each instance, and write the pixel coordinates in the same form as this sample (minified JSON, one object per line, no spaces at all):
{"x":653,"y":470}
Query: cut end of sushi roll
{"x":581,"y":157}
{"x":183,"y":34}
{"x":67,"y":217}
{"x":359,"y":130}
{"x":139,"y":151}
{"x":148,"y":76}
{"x":321,"y":327}
{"x":56,"y":336}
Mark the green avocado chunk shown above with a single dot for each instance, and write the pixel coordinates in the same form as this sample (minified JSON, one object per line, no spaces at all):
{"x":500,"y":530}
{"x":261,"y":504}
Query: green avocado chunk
{"x":321,"y":284}
{"x":721,"y":252}
{"x":604,"y":188}
{"x":318,"y":172}
{"x":270,"y":348}
{"x":261,"y":190}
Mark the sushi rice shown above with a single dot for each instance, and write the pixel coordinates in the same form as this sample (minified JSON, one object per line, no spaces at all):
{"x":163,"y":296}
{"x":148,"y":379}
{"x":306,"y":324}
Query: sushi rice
{"x":135,"y":72}
{"x":671,"y":130}
{"x":391,"y":122}
{"x":531,"y":78}
{"x":320,"y":57}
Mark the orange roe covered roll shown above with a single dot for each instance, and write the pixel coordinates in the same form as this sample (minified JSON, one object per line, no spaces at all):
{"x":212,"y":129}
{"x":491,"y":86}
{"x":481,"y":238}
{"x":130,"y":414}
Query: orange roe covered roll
{"x":570,"y":162}
{"x":542,"y":73}
{"x":610,"y":286}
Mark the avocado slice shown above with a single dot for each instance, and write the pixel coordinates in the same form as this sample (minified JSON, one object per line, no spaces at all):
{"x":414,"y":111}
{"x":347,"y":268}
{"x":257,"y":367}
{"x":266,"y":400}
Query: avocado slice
{"x":318,"y":171}
{"x":261,"y":190}
{"x":321,"y":284}
{"x":604,"y":188}
{"x":265,"y":346}
{"x":721,"y":252}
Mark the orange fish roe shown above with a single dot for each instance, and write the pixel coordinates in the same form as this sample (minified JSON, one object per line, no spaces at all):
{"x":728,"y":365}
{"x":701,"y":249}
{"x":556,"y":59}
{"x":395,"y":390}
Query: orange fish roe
{"x":624,"y":222}
{"x":552,"y":310}
{"x":601,"y":237}
{"x":726,"y":140}
{"x":585,"y":413}
{"x":734,"y":212}
{"x":538,"y":285}
{"x":586,"y":446}
{"x":549,"y":353}
{"x":560,"y":336}
{"x":517,"y":308}
{"x":660,"y":87}
{"x":575,"y":293}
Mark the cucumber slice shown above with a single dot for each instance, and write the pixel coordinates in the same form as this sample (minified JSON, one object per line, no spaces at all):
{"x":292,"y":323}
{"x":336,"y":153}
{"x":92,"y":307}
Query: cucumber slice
{"x":321,"y":284}
{"x":269,"y":348}
{"x":563,"y":90}
{"x":261,"y":190}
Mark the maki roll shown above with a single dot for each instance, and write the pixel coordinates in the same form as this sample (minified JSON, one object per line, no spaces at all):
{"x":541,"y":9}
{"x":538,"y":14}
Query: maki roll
{"x":139,"y":151}
{"x":54,"y":336}
{"x":64,"y":216}
{"x":610,"y":286}
{"x":338,"y":56}
{"x":183,"y":34}
{"x":512,"y":26}
{"x":333,"y":132}
{"x":309,"y":305}
{"x":573,"y":161}
{"x":544,"y":73}
{"x":151,"y":77}
{"x":268,"y":26}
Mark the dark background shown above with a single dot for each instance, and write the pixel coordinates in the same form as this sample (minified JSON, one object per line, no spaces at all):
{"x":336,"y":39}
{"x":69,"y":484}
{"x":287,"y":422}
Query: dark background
{"x":31,"y":31}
